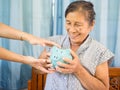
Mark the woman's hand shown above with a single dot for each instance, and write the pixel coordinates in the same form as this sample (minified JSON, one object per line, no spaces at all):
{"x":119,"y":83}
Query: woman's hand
{"x":72,"y":65}
{"x":41,"y":65}
{"x":45,"y":68}
{"x":40,"y":41}
{"x":46,"y":65}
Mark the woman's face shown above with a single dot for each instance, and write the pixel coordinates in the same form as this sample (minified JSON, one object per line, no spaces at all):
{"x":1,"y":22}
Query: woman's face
{"x":77,"y":27}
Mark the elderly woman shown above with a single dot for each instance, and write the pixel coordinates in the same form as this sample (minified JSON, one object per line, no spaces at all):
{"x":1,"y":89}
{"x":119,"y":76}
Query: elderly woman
{"x":89,"y":68}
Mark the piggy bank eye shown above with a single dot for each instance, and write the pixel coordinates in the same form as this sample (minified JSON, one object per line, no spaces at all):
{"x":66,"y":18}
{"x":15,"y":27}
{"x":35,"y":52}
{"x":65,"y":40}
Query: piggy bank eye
{"x":55,"y":57}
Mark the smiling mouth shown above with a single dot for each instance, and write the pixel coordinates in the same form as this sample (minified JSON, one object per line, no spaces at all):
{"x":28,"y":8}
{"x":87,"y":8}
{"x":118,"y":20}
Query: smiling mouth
{"x":73,"y":37}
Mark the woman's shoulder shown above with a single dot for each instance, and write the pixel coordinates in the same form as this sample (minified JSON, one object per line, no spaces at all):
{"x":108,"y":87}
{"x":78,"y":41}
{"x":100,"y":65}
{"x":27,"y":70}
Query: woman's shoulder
{"x":102,"y":51}
{"x":98,"y":45}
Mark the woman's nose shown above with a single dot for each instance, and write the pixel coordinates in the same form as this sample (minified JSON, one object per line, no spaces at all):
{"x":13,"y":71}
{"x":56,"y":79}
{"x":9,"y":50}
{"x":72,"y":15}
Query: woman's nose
{"x":72,"y":29}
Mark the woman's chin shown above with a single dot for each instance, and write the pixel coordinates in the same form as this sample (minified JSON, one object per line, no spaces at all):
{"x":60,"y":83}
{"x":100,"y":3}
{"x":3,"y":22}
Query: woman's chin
{"x":75,"y":42}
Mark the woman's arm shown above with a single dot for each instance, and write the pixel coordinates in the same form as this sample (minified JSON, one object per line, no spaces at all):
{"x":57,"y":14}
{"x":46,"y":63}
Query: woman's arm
{"x":98,"y":82}
{"x":11,"y":33}
{"x":11,"y":56}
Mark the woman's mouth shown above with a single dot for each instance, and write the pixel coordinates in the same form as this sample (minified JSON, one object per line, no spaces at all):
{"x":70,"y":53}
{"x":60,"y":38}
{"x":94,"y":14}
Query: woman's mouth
{"x":74,"y":36}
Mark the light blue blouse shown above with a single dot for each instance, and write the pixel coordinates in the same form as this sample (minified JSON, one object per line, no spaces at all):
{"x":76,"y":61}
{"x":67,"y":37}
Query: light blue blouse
{"x":91,"y":54}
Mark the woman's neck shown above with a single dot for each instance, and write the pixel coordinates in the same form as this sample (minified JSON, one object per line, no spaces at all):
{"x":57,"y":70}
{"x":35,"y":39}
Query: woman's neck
{"x":74,"y":47}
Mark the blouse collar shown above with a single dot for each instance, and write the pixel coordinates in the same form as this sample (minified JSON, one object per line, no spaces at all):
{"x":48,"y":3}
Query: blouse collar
{"x":66,"y":43}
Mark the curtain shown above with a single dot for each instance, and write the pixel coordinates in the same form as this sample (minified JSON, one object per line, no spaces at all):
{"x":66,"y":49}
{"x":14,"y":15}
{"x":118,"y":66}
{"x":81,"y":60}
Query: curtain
{"x":44,"y":18}
{"x":59,"y":7}
{"x":31,"y":16}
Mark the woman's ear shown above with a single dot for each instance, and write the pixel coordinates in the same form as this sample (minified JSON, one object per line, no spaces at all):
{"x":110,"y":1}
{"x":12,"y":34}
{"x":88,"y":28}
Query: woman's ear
{"x":92,"y":25}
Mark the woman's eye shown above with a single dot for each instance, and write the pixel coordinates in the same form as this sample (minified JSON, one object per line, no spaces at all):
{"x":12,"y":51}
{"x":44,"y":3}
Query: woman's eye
{"x":68,"y":23}
{"x":77,"y":25}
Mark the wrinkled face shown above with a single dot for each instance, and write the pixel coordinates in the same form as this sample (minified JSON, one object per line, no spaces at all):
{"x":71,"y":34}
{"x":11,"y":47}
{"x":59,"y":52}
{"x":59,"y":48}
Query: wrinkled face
{"x":77,"y":27}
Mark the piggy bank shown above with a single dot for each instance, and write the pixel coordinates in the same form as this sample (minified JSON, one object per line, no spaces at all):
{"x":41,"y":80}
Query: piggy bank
{"x":57,"y":54}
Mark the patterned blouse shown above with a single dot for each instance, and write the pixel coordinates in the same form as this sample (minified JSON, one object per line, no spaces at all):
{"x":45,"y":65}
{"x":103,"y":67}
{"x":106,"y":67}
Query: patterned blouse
{"x":91,"y":54}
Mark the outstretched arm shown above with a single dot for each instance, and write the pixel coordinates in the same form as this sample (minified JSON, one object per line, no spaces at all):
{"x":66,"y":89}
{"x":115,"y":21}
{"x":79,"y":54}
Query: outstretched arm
{"x":11,"y":56}
{"x":11,"y":33}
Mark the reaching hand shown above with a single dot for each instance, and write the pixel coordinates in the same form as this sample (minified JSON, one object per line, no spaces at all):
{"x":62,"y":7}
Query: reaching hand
{"x":40,"y":41}
{"x":39,"y":64}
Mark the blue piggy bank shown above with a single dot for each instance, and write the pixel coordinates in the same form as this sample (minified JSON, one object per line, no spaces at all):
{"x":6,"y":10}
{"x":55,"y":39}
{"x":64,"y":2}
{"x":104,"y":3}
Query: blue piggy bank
{"x":57,"y":54}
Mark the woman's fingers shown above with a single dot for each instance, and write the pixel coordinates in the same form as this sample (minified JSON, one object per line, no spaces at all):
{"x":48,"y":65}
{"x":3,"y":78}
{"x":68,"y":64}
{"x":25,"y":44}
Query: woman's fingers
{"x":50,"y":43}
{"x":42,"y":61}
{"x":67,"y":60}
{"x":63,"y":70}
{"x":46,"y":70}
{"x":64,"y":65}
{"x":48,"y":54}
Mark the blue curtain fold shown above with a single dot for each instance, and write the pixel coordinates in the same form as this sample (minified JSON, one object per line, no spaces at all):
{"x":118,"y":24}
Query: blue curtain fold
{"x":30,"y":16}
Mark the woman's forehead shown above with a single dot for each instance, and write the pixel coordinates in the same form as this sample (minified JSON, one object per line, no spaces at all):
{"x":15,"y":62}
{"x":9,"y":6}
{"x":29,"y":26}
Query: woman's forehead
{"x":75,"y":16}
